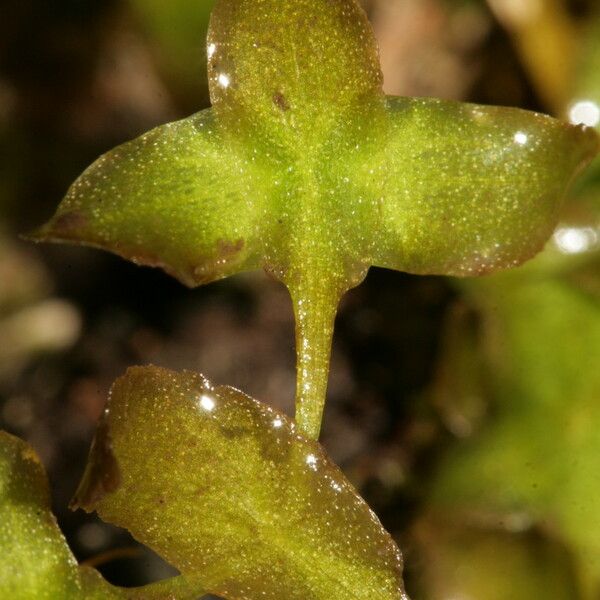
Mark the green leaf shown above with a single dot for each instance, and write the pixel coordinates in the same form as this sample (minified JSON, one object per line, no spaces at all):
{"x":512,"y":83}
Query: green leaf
{"x":304,"y":168}
{"x":35,"y":561}
{"x":174,"y":198}
{"x":539,"y":455}
{"x":472,"y":189}
{"x":292,"y":73}
{"x":227,"y":491}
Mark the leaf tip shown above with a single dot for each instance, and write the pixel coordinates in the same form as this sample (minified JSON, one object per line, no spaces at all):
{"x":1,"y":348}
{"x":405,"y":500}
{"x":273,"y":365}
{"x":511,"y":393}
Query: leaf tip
{"x":40,"y":234}
{"x":67,"y":226}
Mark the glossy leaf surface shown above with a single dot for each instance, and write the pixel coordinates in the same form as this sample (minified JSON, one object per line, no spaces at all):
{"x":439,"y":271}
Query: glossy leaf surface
{"x":472,"y":189}
{"x":304,"y":168}
{"x":292,"y":72}
{"x":35,"y":561}
{"x":227,"y":491}
{"x":174,"y":198}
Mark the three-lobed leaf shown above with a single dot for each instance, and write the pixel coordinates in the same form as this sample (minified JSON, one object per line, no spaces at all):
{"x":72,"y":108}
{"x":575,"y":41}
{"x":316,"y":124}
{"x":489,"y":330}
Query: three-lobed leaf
{"x":304,"y":168}
{"x":228,"y":492}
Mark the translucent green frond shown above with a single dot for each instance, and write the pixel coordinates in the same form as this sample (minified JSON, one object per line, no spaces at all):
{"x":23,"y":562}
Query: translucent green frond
{"x":226,"y":490}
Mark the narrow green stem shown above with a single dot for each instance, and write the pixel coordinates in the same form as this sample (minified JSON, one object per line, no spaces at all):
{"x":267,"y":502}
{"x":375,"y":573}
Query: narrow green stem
{"x":315,"y":305}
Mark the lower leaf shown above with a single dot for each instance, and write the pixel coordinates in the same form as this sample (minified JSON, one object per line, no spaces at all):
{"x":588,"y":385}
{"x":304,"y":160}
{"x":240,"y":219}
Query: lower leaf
{"x":225,"y":489}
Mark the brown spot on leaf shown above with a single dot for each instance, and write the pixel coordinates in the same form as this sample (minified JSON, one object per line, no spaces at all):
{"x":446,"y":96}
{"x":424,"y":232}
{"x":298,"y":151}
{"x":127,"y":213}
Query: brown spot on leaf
{"x":102,"y":474}
{"x":228,"y":249}
{"x":279,"y":100}
{"x":69,"y":221}
{"x":213,"y":267}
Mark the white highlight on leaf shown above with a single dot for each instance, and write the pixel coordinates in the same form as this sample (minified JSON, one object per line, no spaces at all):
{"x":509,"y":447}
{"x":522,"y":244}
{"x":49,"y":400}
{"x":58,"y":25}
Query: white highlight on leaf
{"x":575,"y":240}
{"x":521,"y":138}
{"x":207,"y":403}
{"x":585,"y":112}
{"x":223,"y":80}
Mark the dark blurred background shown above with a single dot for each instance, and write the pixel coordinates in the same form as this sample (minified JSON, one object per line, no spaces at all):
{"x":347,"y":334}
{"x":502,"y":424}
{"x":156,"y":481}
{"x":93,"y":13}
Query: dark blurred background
{"x":407,"y":388}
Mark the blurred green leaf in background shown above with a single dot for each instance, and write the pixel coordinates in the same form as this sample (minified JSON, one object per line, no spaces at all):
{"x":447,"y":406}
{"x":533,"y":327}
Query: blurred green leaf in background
{"x":519,"y":381}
